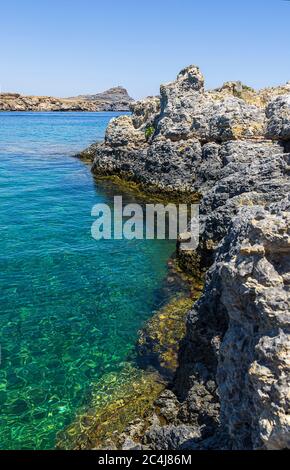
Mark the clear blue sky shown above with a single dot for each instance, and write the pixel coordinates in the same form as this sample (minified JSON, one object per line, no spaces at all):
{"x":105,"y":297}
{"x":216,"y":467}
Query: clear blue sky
{"x":67,"y":47}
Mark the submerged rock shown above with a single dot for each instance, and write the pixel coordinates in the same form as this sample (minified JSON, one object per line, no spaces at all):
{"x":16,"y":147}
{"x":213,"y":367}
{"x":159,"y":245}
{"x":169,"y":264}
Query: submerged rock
{"x":117,"y":401}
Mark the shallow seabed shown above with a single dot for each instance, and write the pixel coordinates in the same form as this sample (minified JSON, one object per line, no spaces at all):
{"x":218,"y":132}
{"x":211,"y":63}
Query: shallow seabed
{"x":71,"y":307}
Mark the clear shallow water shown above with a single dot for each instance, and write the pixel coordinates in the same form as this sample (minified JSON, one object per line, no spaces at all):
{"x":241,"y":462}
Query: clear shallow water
{"x":70,"y":307}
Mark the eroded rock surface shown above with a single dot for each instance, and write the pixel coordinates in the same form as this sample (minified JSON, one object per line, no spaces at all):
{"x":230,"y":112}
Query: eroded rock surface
{"x":278,"y":114}
{"x":231,"y":146}
{"x":253,"y":369}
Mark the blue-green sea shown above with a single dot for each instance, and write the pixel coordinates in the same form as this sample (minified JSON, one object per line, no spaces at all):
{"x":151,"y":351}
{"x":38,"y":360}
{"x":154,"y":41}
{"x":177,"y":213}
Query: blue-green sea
{"x":70,"y":307}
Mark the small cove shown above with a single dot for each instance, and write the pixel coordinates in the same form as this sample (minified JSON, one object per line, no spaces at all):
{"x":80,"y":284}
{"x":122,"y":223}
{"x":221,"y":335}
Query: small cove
{"x":71,"y":307}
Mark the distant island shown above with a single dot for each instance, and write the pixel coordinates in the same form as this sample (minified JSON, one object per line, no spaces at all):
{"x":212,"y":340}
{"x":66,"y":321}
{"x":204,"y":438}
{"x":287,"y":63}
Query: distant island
{"x":114,"y":99}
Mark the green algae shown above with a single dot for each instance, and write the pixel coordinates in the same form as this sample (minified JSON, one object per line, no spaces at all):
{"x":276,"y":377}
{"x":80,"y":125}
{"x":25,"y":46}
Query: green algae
{"x":159,"y":341}
{"x":117,"y":400}
{"x":121,"y":400}
{"x":151,"y":193}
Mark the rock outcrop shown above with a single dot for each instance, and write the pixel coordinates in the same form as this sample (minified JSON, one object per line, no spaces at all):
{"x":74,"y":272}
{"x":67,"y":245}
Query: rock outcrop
{"x":230,"y":146}
{"x":253,"y":369}
{"x":188,"y":111}
{"x":114,"y":99}
{"x":278,"y":114}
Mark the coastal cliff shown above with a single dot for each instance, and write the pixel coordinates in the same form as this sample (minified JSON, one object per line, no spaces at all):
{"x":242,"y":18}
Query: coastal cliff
{"x":231,"y":147}
{"x":114,"y":99}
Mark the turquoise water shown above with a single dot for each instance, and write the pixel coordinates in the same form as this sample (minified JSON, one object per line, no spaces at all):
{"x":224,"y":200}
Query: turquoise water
{"x":71,"y":307}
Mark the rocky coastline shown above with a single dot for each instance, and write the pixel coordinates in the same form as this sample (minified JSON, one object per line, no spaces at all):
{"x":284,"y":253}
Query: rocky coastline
{"x":230,"y":148}
{"x":114,"y":99}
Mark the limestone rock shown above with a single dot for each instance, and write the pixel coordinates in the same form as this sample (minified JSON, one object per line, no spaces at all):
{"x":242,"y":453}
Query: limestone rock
{"x":266,"y":95}
{"x":228,"y":119}
{"x":239,"y":90}
{"x":121,"y":133}
{"x":230,"y":145}
{"x":117,"y":96}
{"x":89,"y":153}
{"x":178,"y":101}
{"x":166,"y":165}
{"x":254,"y":362}
{"x":190,"y":78}
{"x":238,"y":333}
{"x":170,"y":437}
{"x":260,"y":98}
{"x":171,"y":165}
{"x":144,"y":112}
{"x":187,"y":111}
{"x":278,"y":114}
{"x":232,"y":175}
{"x":244,"y":179}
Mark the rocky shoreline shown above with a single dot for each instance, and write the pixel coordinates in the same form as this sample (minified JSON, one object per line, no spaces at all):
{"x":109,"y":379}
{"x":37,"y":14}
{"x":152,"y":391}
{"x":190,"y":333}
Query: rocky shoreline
{"x":124,"y":404}
{"x":230,"y":147}
{"x":114,"y":99}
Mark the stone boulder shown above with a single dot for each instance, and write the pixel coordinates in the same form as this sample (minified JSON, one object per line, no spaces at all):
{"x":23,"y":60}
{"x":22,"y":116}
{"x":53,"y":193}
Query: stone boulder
{"x":278,"y":115}
{"x":145,"y":112}
{"x":178,"y":100}
{"x":122,"y":133}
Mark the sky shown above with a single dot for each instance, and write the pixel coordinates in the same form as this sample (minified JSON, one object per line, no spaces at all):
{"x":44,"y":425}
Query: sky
{"x":71,"y":47}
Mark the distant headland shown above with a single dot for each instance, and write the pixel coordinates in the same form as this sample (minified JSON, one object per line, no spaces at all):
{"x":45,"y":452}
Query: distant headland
{"x":114,"y":99}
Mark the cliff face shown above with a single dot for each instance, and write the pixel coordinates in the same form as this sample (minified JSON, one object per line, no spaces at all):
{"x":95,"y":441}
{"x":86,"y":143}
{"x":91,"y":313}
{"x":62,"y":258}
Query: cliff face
{"x":231,"y":146}
{"x":114,"y":99}
{"x":253,"y":366}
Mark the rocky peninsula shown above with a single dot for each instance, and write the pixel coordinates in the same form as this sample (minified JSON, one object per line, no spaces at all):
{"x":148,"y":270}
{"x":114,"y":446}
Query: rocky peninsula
{"x":231,"y":148}
{"x":114,"y":99}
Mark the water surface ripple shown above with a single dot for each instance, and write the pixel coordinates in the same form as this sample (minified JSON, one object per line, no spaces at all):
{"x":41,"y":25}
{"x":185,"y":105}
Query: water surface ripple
{"x":71,"y":307}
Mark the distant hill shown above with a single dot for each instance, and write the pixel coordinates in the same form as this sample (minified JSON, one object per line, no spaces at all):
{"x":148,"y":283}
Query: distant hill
{"x":118,"y":93}
{"x":114,"y":99}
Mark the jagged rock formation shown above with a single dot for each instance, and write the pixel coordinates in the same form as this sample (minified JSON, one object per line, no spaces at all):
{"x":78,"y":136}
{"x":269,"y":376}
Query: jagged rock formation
{"x":278,"y":114}
{"x":144,"y":112}
{"x":253,"y":367}
{"x":114,"y":99}
{"x":231,"y":146}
